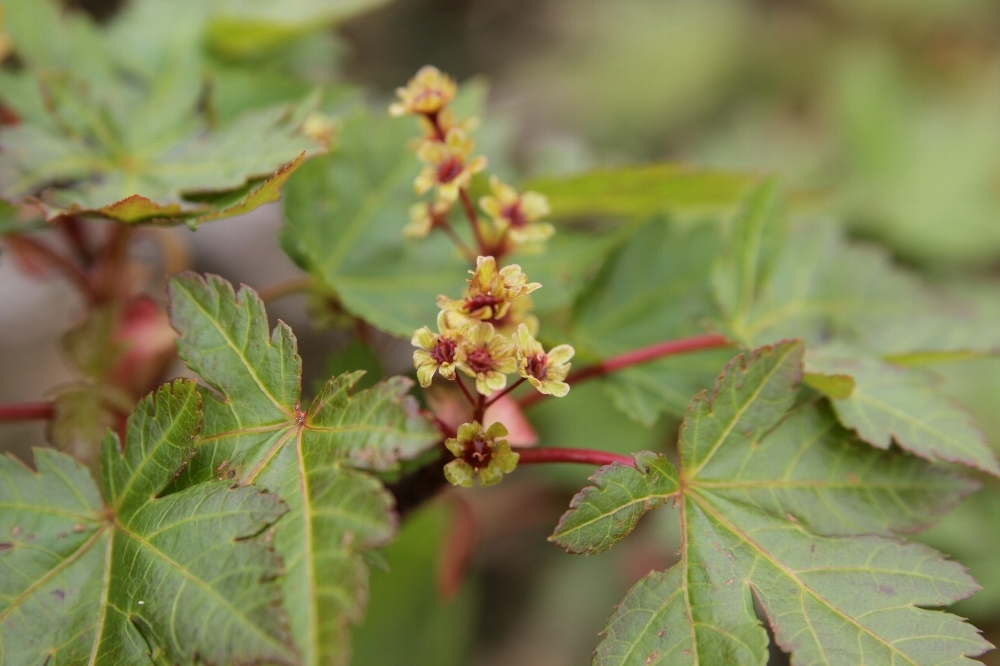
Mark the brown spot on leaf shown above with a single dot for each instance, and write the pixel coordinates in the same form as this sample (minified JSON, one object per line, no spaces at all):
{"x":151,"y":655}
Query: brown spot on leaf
{"x":5,"y":545}
{"x":78,"y":528}
{"x":14,"y":531}
{"x":652,"y":657}
{"x":58,"y":594}
{"x":885,"y":589}
{"x":660,"y":633}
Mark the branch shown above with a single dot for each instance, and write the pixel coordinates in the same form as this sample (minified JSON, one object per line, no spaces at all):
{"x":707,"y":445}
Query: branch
{"x":32,"y":411}
{"x":288,"y":287}
{"x":46,"y":254}
{"x":582,"y":456}
{"x":637,"y":357}
{"x":470,"y":212}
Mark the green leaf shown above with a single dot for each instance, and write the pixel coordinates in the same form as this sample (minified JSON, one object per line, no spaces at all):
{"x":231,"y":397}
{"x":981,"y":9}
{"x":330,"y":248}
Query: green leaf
{"x":426,"y":629}
{"x":256,"y":432}
{"x":637,"y":191}
{"x":601,"y":515}
{"x":346,"y":212}
{"x":147,"y":576}
{"x":753,"y":241}
{"x":892,"y":404}
{"x":240,"y":29}
{"x":123,"y":133}
{"x":654,"y":288}
{"x":782,"y":506}
{"x":822,"y":289}
{"x":840,"y":297}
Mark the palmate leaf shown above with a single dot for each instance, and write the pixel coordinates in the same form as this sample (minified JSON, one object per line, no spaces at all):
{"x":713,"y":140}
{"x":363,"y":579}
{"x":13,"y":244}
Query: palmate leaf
{"x":855,"y":311}
{"x":140,"y":576}
{"x":781,"y":505}
{"x":120,"y":132}
{"x":257,"y":432}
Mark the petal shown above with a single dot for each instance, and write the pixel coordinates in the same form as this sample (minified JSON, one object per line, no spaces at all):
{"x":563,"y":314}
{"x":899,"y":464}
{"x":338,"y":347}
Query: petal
{"x":447,"y":370}
{"x":554,"y":388}
{"x":534,"y":205}
{"x":423,"y":338}
{"x":425,"y":181}
{"x":447,"y":192}
{"x":460,"y":473}
{"x":469,"y":431}
{"x":476,"y":165}
{"x":560,"y":354}
{"x":456,"y":447}
{"x":425,"y":371}
{"x":490,"y":206}
{"x":506,"y":365}
{"x":497,"y":430}
{"x":490,"y":475}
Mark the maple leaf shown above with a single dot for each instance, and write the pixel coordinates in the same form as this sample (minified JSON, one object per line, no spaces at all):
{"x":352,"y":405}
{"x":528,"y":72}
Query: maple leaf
{"x":140,"y":575}
{"x":256,"y":432}
{"x":782,"y":506}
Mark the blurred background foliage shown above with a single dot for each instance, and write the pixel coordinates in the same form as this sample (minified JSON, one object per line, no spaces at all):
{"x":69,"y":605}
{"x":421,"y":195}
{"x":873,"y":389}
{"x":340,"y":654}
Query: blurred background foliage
{"x":884,"y":114}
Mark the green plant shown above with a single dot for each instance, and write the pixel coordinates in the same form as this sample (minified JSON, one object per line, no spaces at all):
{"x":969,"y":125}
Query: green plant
{"x":236,"y":520}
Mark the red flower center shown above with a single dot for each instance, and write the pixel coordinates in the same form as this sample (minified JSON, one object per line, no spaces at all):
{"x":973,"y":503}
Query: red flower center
{"x":449,"y":170}
{"x":444,"y":350}
{"x":481,"y":301}
{"x":514,"y":215}
{"x":537,"y":366}
{"x":479,"y":361}
{"x":478,"y":453}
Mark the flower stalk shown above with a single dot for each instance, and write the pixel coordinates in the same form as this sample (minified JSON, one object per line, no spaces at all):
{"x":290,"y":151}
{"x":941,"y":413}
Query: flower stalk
{"x":33,"y":411}
{"x":637,"y":357}
{"x":578,"y":456}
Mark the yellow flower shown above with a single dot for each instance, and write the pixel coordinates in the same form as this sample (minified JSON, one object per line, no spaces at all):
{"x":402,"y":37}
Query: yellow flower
{"x":487,"y":356}
{"x":436,"y":351}
{"x":517,"y":214}
{"x":519,"y":313}
{"x":545,"y":372}
{"x":427,"y":93}
{"x":491,"y":292}
{"x":479,"y":451}
{"x":424,"y":216}
{"x":447,"y":167}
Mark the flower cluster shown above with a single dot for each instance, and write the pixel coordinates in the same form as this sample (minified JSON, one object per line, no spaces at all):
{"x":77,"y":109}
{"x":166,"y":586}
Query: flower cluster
{"x":449,"y":165}
{"x":479,"y":452}
{"x":487,"y":335}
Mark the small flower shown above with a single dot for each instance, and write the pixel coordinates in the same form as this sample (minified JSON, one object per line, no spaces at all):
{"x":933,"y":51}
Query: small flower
{"x":518,"y":214}
{"x":487,"y":356}
{"x":427,"y":93}
{"x":320,"y":127}
{"x":436,"y":351}
{"x":424,"y":216}
{"x":545,"y":372}
{"x":519,"y":313}
{"x":491,"y":292}
{"x":479,"y":451}
{"x":447,"y":165}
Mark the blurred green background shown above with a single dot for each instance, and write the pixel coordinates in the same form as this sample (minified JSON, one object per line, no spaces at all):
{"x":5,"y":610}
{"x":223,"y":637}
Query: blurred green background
{"x":884,"y":114}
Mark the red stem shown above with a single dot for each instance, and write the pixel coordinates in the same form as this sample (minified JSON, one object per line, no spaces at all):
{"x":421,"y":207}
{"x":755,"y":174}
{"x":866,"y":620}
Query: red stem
{"x":505,"y":391}
{"x":45,"y":253}
{"x":36,"y":411}
{"x":470,"y":212}
{"x":636,"y":357}
{"x":582,"y":456}
{"x":461,"y":385}
{"x":466,"y":250}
